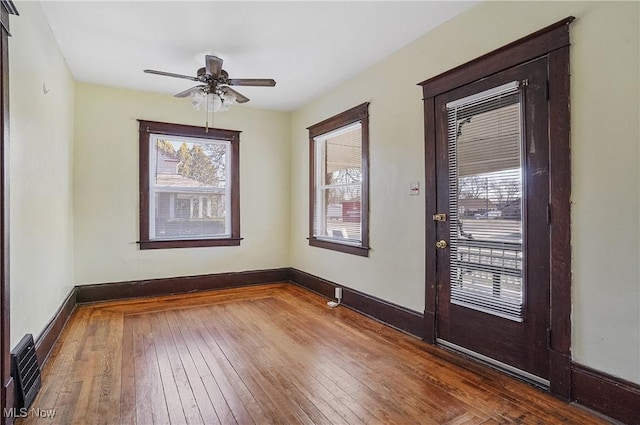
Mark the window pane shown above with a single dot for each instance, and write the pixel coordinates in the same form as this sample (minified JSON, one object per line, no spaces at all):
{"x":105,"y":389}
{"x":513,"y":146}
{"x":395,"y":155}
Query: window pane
{"x":339,"y":195}
{"x":485,"y":173}
{"x":338,"y":214}
{"x":344,"y":158}
{"x":341,"y":217}
{"x":189,"y":183}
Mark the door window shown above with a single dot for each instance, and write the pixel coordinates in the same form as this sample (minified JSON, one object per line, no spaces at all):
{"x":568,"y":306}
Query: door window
{"x":485,"y":202}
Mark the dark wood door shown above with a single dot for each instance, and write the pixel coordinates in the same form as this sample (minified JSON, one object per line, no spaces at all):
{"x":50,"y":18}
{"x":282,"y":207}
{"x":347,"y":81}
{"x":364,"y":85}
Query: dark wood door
{"x":492,"y":179}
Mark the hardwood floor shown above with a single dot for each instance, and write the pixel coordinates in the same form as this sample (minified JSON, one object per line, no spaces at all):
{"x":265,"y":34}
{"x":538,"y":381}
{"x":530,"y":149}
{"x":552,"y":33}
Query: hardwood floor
{"x":273,"y":354}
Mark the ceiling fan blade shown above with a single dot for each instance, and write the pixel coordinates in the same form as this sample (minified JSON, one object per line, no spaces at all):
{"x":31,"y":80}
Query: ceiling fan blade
{"x":240,"y":98}
{"x":170,"y":74}
{"x":188,"y":92}
{"x":213,"y":64}
{"x":262,"y":82}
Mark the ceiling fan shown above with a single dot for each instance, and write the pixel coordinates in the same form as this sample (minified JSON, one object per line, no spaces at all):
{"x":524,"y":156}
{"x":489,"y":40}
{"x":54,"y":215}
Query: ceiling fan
{"x":215,"y":80}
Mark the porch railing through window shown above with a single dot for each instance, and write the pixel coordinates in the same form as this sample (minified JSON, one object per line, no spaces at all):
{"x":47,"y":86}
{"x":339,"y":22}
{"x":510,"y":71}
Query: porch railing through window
{"x":487,"y":276}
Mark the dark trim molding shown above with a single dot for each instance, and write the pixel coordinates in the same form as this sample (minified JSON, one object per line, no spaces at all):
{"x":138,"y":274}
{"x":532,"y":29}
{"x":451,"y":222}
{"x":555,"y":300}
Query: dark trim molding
{"x":48,"y":337}
{"x":607,"y":394}
{"x":171,"y":129}
{"x":189,"y":243}
{"x":357,"y":113}
{"x":176,"y":285}
{"x":350,"y":116}
{"x":560,"y":197}
{"x":430,"y":202}
{"x":388,"y":313}
{"x":362,"y":251}
{"x":6,"y":381}
{"x":541,"y":42}
{"x":552,"y":43}
{"x":146,"y":128}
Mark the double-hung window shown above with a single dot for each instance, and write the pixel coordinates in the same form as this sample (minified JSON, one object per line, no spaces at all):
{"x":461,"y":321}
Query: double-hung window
{"x":188,"y":186}
{"x":339,"y":195}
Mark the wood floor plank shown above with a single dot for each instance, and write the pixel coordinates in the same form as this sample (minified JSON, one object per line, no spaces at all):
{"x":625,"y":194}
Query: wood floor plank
{"x":127,"y":376}
{"x":153,"y":376}
{"x":290,"y":356}
{"x":94,"y":354}
{"x":110,"y":386}
{"x":187,"y":399}
{"x":272,"y":395}
{"x":143,"y":383}
{"x":171,"y":394}
{"x":235,"y":396}
{"x":271,"y":354}
{"x":351,"y":368}
{"x":195,"y":346}
{"x":205,"y":407}
{"x":63,"y":357}
{"x":282,"y":373}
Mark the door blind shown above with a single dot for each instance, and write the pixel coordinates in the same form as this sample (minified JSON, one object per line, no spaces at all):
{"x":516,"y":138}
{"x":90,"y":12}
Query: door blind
{"x":485,"y":201}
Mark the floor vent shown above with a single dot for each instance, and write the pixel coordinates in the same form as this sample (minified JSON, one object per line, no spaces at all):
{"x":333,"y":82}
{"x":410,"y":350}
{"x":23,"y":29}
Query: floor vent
{"x":25,"y":371}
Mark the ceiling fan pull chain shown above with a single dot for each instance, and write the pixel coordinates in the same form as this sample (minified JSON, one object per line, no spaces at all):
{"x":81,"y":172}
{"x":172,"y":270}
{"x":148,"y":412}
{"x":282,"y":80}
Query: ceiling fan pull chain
{"x":206,"y":116}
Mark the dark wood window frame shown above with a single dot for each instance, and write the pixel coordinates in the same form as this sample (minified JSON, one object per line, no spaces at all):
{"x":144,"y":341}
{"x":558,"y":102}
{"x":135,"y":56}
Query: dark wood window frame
{"x":360,"y":114}
{"x":553,"y":43}
{"x":147,"y":128}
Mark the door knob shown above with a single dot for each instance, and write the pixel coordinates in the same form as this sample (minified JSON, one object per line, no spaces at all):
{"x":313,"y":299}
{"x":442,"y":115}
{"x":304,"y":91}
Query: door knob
{"x":442,"y":244}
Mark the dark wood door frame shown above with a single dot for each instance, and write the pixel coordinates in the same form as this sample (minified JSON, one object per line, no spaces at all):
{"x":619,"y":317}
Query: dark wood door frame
{"x":551,"y":42}
{"x":7,"y":8}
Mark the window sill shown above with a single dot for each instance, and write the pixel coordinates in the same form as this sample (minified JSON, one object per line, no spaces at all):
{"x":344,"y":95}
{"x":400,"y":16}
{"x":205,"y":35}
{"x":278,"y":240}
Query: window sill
{"x":188,"y":243}
{"x":336,"y":246}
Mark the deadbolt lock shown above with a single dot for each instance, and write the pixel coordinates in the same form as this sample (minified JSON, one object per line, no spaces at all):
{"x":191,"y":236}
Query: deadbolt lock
{"x":442,"y":244}
{"x":439,"y":217}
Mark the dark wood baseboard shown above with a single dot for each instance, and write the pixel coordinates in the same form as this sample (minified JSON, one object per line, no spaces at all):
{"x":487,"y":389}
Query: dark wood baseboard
{"x":176,"y":285}
{"x":560,"y":374}
{"x":48,"y":337}
{"x":429,"y":327}
{"x":606,"y":394}
{"x":388,"y":313}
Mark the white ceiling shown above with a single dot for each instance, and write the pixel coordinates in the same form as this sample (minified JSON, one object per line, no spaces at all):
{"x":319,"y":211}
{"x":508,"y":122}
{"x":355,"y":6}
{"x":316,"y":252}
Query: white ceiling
{"x":307,"y":47}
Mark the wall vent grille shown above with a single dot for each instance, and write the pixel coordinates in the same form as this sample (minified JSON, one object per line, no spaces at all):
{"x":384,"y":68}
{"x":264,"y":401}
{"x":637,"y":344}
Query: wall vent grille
{"x":25,"y":371}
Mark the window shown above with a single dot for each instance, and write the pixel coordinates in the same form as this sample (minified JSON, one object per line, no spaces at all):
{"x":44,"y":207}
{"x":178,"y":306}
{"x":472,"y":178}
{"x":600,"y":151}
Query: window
{"x":338,"y":184}
{"x":189,"y":186}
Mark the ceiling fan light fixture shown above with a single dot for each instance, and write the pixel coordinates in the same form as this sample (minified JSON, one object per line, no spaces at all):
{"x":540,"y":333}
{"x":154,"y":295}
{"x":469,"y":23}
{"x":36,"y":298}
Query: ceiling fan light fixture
{"x":197,"y":99}
{"x":213,"y":102}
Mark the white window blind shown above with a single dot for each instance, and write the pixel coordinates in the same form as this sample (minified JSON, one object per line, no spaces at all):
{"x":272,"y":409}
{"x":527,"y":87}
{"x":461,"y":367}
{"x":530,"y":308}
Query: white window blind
{"x":338,"y":185}
{"x":485,"y":201}
{"x":189,"y":195}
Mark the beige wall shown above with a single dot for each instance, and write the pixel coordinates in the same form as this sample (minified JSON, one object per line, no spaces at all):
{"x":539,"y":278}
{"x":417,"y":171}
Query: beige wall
{"x":41,"y":149}
{"x":106,"y":188}
{"x":605,"y":155}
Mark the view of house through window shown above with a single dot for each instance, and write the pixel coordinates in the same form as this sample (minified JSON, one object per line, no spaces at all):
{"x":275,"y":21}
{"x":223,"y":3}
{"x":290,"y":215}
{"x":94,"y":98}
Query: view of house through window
{"x":188,"y":186}
{"x":339,"y":194}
